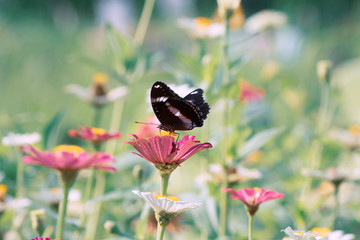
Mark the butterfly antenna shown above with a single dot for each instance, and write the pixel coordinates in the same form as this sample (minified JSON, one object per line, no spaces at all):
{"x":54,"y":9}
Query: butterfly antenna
{"x":146,"y":123}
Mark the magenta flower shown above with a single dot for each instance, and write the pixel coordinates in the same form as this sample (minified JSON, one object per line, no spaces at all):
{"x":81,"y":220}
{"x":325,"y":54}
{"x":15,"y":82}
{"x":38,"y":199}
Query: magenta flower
{"x":93,"y":134}
{"x":166,"y":153}
{"x":68,"y":158}
{"x":39,"y":238}
{"x":253,"y":197}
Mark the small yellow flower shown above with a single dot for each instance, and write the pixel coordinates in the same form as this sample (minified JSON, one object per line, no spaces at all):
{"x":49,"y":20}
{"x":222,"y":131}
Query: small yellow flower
{"x":167,"y":133}
{"x":322,"y":232}
{"x":55,"y":191}
{"x":76,"y":150}
{"x":269,"y":70}
{"x":203,"y":22}
{"x":3,"y":191}
{"x":254,"y":157}
{"x":167,"y":197}
{"x":100,"y":78}
{"x":354,"y":130}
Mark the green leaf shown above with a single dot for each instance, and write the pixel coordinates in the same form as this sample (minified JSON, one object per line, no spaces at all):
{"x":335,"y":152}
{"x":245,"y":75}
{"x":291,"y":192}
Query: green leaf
{"x":257,"y":141}
{"x":192,"y":65}
{"x":142,"y":223}
{"x":51,"y":130}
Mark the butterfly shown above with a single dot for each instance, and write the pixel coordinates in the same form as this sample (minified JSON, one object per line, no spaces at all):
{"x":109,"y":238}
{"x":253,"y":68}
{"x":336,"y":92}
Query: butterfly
{"x":175,"y":112}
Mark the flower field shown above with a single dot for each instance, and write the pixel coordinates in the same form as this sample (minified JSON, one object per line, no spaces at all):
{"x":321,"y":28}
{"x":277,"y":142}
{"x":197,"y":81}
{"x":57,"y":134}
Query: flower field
{"x":157,"y":119}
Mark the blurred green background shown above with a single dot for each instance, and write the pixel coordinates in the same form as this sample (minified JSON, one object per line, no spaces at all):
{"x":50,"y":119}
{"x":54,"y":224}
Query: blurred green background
{"x":46,"y":45}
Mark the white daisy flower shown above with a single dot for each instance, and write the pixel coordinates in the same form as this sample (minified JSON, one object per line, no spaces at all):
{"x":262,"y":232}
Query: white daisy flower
{"x":300,"y":235}
{"x":332,"y":235}
{"x":97,"y":93}
{"x":201,"y":27}
{"x":263,"y":20}
{"x":228,"y":4}
{"x":339,"y":235}
{"x":349,"y":137}
{"x":15,"y":139}
{"x":165,"y":203}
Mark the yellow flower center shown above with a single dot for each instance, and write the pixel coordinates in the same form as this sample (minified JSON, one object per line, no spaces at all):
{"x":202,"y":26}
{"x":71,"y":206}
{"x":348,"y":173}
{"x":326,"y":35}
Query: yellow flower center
{"x":254,"y":156}
{"x":354,"y":130}
{"x":322,"y":232}
{"x":166,"y":133}
{"x":3,"y":191}
{"x":168,"y":197}
{"x":100,"y":78}
{"x":55,"y":190}
{"x":98,"y":131}
{"x":300,"y":233}
{"x":203,"y":22}
{"x":76,"y":150}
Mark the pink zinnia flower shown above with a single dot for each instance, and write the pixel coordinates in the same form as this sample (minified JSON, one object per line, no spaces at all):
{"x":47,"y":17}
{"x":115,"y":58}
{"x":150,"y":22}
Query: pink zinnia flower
{"x":68,"y":158}
{"x":39,"y":238}
{"x":249,"y":93}
{"x":149,"y":128}
{"x":253,"y":197}
{"x":166,"y":153}
{"x":93,"y":134}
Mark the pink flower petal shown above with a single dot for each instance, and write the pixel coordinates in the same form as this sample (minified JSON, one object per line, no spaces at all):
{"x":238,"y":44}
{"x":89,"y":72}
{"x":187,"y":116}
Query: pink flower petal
{"x":67,"y":160}
{"x":164,"y":149}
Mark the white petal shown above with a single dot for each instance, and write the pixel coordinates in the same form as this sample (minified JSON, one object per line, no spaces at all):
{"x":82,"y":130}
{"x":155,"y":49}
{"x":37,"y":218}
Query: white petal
{"x":14,"y":139}
{"x":165,"y":204}
{"x":79,"y":91}
{"x":116,"y":93}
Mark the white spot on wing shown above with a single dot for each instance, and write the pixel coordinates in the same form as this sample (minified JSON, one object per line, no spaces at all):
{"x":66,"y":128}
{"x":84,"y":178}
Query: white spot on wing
{"x":195,"y":92}
{"x":157,"y":86}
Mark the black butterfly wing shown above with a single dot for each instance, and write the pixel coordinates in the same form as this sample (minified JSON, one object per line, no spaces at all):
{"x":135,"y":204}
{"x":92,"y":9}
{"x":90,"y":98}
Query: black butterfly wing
{"x":196,"y":97}
{"x":175,"y":112}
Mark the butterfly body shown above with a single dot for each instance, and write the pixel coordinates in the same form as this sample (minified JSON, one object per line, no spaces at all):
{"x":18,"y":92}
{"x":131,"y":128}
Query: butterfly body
{"x":175,"y":112}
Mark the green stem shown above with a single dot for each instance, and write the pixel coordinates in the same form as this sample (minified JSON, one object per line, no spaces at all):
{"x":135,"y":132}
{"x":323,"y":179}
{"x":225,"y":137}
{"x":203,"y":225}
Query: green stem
{"x":250,"y":230}
{"x":224,"y":205}
{"x":224,"y":46}
{"x":337,"y":207}
{"x":115,"y":125}
{"x":62,"y":211}
{"x":224,"y":202}
{"x":97,"y":116}
{"x":92,"y":226}
{"x":316,"y":146}
{"x":86,"y":198}
{"x":19,"y":176}
{"x":144,"y":22}
{"x":160,"y":232}
{"x":164,"y":184}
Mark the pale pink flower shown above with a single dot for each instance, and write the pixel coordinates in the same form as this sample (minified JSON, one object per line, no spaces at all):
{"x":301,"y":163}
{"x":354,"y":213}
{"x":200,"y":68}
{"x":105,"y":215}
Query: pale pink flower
{"x":93,"y":134}
{"x":253,"y":197}
{"x":68,"y":158}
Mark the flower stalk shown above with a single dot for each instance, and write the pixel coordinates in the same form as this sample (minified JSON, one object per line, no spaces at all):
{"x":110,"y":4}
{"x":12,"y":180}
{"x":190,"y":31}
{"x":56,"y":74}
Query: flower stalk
{"x":224,"y":201}
{"x":19,"y":175}
{"x":160,"y":232}
{"x":164,"y":184}
{"x":66,"y":179}
{"x":144,"y":22}
{"x":250,"y":227}
{"x":337,"y":207}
